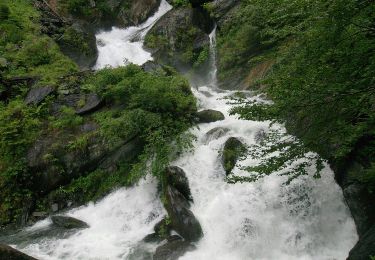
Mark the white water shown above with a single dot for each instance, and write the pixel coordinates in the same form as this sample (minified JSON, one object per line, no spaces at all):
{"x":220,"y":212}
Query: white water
{"x":120,"y":46}
{"x":262,"y":220}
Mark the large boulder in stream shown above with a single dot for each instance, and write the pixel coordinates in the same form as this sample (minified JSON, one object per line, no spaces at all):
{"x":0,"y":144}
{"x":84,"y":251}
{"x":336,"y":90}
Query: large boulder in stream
{"x":209,"y":116}
{"x":232,"y":151}
{"x":9,"y":253}
{"x":173,"y":249}
{"x":68,"y":222}
{"x":182,"y":219}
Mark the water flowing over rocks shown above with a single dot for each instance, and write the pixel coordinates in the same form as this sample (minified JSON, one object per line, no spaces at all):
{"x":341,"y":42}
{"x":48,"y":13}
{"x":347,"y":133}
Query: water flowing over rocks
{"x":173,"y":249}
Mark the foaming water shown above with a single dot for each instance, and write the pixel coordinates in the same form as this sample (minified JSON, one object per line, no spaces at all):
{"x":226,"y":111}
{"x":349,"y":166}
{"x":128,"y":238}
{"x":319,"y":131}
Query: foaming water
{"x":117,"y":225}
{"x":307,"y":219}
{"x":263,"y":220}
{"x":120,"y":46}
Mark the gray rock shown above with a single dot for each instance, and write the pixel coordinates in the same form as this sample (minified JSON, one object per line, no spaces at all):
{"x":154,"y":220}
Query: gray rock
{"x":92,"y":102}
{"x":68,"y":222}
{"x":209,"y":115}
{"x":233,"y":150}
{"x":176,"y":177}
{"x":365,"y":247}
{"x":37,"y":95}
{"x":182,"y":219}
{"x":173,"y":249}
{"x":9,"y":253}
{"x":215,"y":133}
{"x":182,"y":30}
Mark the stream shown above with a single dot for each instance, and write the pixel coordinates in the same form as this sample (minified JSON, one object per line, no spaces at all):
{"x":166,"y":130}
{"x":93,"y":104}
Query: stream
{"x":305,"y":220}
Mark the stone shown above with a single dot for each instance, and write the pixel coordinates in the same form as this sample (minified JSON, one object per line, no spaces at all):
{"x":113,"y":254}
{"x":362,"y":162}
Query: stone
{"x":173,"y":249}
{"x":39,"y":214}
{"x":55,"y":207}
{"x":215,"y":133}
{"x":92,"y":103}
{"x":232,"y":151}
{"x":68,"y":222}
{"x":182,"y":219}
{"x":9,"y":253}
{"x":365,"y":247}
{"x":209,"y":116}
{"x":37,"y":95}
{"x":170,"y":43}
{"x":176,"y":177}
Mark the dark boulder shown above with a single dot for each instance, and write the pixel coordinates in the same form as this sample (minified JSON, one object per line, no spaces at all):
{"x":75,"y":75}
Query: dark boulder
{"x":176,"y":177}
{"x":9,"y":253}
{"x":182,"y":219}
{"x":37,"y":95}
{"x":173,"y":249}
{"x":209,"y":115}
{"x":180,"y":37}
{"x":233,"y":150}
{"x":365,"y":247}
{"x":68,"y":222}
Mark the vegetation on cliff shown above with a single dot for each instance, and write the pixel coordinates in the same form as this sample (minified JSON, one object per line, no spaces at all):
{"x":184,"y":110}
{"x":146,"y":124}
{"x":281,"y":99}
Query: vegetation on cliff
{"x":64,"y":133}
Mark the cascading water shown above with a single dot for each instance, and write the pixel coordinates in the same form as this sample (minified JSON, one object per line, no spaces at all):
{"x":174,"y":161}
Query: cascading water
{"x":306,"y":219}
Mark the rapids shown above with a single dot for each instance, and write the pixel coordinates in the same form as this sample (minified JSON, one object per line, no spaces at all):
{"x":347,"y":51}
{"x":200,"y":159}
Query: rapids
{"x":306,"y":220}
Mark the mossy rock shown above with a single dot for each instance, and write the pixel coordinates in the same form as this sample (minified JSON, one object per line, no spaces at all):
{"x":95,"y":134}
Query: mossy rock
{"x":233,"y":150}
{"x":209,"y":115}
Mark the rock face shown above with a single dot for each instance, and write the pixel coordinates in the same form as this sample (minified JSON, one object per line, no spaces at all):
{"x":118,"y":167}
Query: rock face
{"x":37,"y":95}
{"x":365,"y":246}
{"x":9,"y":253}
{"x":182,"y":219}
{"x":76,"y":39}
{"x":209,"y":115}
{"x":68,"y":222}
{"x":232,"y":151}
{"x":180,"y":38}
{"x":173,"y":249}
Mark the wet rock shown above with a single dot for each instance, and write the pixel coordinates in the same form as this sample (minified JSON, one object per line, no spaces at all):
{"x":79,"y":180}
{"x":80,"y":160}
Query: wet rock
{"x":68,"y":222}
{"x":222,"y":10}
{"x":176,"y":177}
{"x":179,"y":37}
{"x":215,"y":133}
{"x":9,"y":253}
{"x":37,"y":95}
{"x":140,"y":252}
{"x":163,"y":227}
{"x":209,"y":115}
{"x":151,"y":66}
{"x":152,"y":238}
{"x":182,"y":219}
{"x":365,"y":247}
{"x":233,"y":150}
{"x":173,"y":249}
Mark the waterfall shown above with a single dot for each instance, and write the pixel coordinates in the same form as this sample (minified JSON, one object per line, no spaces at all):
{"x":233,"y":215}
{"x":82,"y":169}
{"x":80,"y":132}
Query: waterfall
{"x":306,"y":219}
{"x":121,"y":46}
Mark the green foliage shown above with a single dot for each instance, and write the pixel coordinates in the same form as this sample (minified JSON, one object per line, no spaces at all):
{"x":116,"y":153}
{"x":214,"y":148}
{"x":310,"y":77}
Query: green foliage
{"x":322,"y":83}
{"x":177,"y":3}
{"x":4,"y":12}
{"x":67,"y":119}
